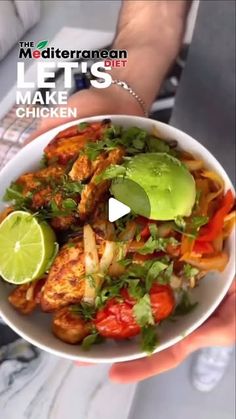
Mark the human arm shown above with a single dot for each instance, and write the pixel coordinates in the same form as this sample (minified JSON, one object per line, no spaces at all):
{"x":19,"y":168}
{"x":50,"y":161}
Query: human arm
{"x":152,"y":32}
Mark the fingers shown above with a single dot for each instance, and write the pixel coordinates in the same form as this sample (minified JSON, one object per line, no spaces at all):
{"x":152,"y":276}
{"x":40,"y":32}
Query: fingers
{"x":219,"y":330}
{"x":141,"y":369}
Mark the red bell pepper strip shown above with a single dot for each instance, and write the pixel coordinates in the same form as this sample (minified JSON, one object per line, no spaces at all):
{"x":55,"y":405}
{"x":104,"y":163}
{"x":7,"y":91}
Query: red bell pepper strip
{"x":215,"y":225}
{"x":203,"y":248}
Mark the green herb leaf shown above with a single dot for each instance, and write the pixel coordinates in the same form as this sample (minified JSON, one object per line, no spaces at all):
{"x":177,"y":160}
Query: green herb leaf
{"x":180,"y":222}
{"x":90,"y":340}
{"x":69,"y":203}
{"x":82,"y":126}
{"x":135,"y":289}
{"x":155,"y":145}
{"x":85,"y":310}
{"x":198,"y":221}
{"x":14,"y":192}
{"x":156,"y":268}
{"x":190,"y":271}
{"x":149,"y":339}
{"x":44,"y":161}
{"x":143,"y":312}
{"x":110,"y":172}
{"x":72,"y":187}
{"x":153,"y":245}
{"x":185,"y":305}
{"x":153,"y":230}
{"x":41,"y":44}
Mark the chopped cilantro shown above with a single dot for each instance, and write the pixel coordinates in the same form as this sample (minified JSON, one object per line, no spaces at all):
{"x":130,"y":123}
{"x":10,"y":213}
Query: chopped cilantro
{"x":110,"y":172}
{"x":180,"y":222}
{"x":44,"y":161}
{"x":82,"y":126}
{"x":156,"y":268}
{"x":69,"y":203}
{"x":90,"y":340}
{"x":155,"y":145}
{"x":160,"y":243}
{"x":191,"y":226}
{"x":135,"y":289}
{"x":13,"y":192}
{"x":153,"y":230}
{"x":189,"y":271}
{"x":185,"y":305}
{"x":143,"y":312}
{"x":72,"y":187}
{"x":149,"y":339}
{"x":93,"y":149}
{"x":198,"y":221}
{"x":85,"y":310}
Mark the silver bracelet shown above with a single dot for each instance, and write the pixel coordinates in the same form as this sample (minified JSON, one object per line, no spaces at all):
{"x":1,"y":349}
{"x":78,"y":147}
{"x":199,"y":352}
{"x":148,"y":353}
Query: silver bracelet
{"x":125,"y":86}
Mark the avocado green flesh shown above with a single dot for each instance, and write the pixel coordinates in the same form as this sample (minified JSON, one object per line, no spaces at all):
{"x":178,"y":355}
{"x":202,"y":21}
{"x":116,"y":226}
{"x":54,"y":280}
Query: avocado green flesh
{"x":157,"y":186}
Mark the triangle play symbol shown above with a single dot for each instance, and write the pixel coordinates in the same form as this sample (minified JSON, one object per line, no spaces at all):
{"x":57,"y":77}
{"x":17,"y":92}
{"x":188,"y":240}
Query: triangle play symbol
{"x":116,"y":209}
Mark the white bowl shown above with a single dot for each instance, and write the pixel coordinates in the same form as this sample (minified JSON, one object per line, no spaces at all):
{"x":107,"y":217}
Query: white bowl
{"x":36,"y":328}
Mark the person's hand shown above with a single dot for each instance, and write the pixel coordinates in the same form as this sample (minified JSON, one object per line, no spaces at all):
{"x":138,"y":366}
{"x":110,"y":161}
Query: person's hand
{"x":112,"y":100}
{"x":218,"y":330}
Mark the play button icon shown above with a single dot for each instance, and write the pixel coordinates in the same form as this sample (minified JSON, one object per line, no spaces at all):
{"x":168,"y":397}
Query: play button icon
{"x":116,"y":210}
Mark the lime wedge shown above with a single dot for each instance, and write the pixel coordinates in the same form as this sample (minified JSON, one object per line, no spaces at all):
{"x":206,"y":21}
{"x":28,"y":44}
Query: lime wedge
{"x":26,"y":247}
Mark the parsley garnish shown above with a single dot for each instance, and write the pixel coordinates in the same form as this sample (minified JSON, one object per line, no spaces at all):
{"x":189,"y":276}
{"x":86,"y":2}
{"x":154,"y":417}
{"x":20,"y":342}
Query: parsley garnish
{"x":44,"y":161}
{"x":82,"y":126}
{"x":160,"y":243}
{"x":155,"y":269}
{"x":190,"y":271}
{"x":85,"y":310}
{"x":153,"y":230}
{"x":149,"y":339}
{"x":155,"y":145}
{"x":143,"y":312}
{"x":93,"y":149}
{"x":69,"y":203}
{"x":110,"y":172}
{"x":15,"y":194}
{"x":191,"y":226}
{"x":90,"y":340}
{"x":185,"y":305}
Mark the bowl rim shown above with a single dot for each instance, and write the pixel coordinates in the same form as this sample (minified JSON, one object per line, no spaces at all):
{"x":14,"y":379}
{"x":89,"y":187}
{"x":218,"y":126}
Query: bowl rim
{"x":197,"y":323}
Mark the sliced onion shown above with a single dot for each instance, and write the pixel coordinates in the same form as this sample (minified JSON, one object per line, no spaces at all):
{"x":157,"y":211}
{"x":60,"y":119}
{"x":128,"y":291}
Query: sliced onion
{"x":91,"y":264}
{"x":107,"y":256}
{"x":116,"y":269}
{"x":217,"y":180}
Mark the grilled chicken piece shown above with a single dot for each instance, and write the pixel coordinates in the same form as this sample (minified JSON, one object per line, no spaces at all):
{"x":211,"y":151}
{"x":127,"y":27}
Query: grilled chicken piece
{"x":65,"y":283}
{"x":25,"y":298}
{"x":68,"y":143}
{"x":69,"y":326}
{"x":31,"y":181}
{"x":42,"y":196}
{"x":93,"y":192}
{"x":82,"y":168}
